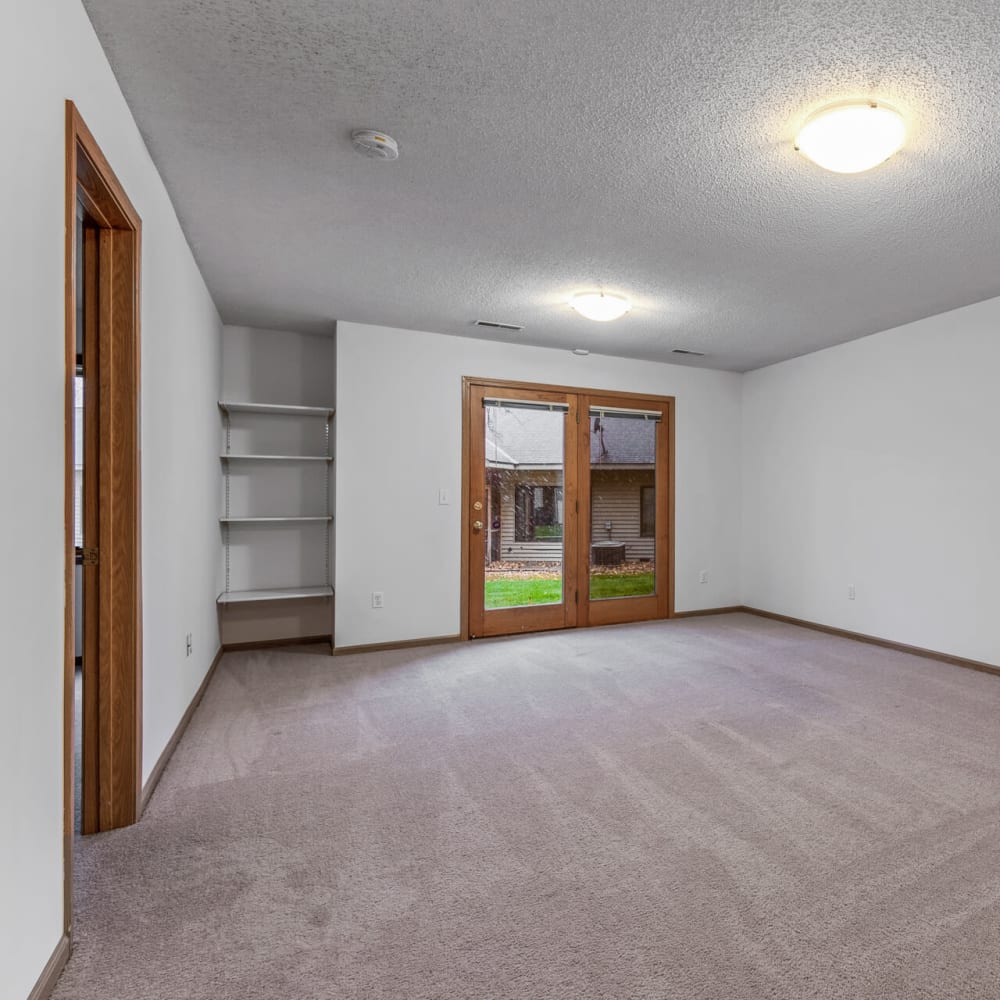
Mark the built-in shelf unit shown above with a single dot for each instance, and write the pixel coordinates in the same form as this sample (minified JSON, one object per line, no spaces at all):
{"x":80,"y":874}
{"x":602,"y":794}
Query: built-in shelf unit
{"x":278,"y":409}
{"x":274,"y":520}
{"x":276,"y":458}
{"x":281,"y":594}
{"x":249,"y":522}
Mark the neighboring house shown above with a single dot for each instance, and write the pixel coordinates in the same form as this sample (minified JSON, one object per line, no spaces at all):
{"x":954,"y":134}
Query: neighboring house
{"x":524,"y":486}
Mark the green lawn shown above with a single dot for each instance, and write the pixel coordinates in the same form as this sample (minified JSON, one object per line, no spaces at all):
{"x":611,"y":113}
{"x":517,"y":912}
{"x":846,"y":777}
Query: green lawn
{"x":518,"y":593}
{"x":552,"y":532}
{"x":622,"y":586}
{"x":515,"y":593}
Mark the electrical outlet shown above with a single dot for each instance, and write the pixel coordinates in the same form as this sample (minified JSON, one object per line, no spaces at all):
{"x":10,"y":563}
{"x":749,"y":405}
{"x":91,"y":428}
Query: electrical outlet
{"x":703,"y":576}
{"x":188,"y":644}
{"x":850,"y":591}
{"x":377,"y":598}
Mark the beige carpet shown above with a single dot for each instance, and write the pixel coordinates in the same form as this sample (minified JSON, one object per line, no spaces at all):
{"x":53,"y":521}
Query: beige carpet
{"x":712,"y":808}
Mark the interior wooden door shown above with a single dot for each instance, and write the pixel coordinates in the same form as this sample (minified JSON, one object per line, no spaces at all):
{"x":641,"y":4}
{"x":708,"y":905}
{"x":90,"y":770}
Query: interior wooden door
{"x":523,"y":510}
{"x":90,"y":439}
{"x":109,"y":283}
{"x":570,"y":507}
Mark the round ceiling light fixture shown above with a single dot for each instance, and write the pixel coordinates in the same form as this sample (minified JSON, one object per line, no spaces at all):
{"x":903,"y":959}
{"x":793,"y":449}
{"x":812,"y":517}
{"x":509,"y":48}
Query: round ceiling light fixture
{"x":600,"y":306}
{"x":852,"y":136}
{"x":376,"y":145}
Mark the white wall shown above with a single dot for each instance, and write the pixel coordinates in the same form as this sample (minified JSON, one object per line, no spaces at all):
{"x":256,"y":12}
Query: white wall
{"x":875,"y":463}
{"x":274,"y":366}
{"x":48,"y":52}
{"x":399,"y":434}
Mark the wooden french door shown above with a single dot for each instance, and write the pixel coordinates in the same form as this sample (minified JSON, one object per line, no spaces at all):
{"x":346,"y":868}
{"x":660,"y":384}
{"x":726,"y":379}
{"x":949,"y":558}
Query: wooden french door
{"x":569,"y":507}
{"x":102,"y":302}
{"x":522,"y":519}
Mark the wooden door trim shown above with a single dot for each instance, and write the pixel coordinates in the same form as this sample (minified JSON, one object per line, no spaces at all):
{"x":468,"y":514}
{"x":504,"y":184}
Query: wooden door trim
{"x":89,"y":178}
{"x":618,"y":394}
{"x":467,"y":384}
{"x":608,"y":397}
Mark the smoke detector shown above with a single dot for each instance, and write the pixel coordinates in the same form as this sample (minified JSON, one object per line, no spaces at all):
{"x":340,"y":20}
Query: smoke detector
{"x":376,"y":145}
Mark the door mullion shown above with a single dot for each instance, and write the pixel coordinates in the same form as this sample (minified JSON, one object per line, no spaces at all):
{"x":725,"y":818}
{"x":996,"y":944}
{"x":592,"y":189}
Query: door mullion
{"x":583,"y":517}
{"x":571,"y":519}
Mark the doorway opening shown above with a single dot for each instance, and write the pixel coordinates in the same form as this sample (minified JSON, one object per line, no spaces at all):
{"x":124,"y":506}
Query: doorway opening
{"x":102,"y":706}
{"x":569,"y":502}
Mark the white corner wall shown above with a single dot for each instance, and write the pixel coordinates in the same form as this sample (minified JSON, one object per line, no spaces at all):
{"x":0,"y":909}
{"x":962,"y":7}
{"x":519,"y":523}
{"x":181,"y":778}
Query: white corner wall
{"x":48,"y":53}
{"x":399,"y":440}
{"x":277,"y":366}
{"x":875,"y":464}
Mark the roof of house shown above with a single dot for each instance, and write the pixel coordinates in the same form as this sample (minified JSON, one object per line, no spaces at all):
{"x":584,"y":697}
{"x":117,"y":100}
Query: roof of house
{"x":521,"y":438}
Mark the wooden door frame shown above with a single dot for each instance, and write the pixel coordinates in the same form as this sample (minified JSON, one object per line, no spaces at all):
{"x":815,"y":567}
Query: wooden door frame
{"x":666,"y":506}
{"x":90,"y":179}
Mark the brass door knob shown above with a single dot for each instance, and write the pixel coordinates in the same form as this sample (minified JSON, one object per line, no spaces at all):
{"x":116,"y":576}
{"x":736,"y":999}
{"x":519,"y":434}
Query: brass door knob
{"x":477,"y":525}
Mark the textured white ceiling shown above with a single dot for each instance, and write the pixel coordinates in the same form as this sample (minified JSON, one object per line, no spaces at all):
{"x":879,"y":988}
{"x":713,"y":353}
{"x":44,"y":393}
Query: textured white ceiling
{"x":549,"y":147}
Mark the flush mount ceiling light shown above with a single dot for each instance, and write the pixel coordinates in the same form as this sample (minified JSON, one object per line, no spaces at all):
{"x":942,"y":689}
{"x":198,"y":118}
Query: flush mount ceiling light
{"x":600,"y":306}
{"x":852,"y":136}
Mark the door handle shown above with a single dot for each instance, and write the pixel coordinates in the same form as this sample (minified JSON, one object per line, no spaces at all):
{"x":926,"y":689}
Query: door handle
{"x":477,"y":525}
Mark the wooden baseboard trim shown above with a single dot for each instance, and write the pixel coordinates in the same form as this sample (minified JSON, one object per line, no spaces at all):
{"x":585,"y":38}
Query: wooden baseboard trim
{"x":168,"y":750}
{"x":709,"y":611}
{"x":380,"y":647}
{"x":52,"y":971}
{"x":299,"y":640}
{"x":901,"y":647}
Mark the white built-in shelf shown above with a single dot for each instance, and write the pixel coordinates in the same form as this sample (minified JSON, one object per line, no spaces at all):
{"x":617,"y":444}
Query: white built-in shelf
{"x":253,"y":463}
{"x":276,"y":409}
{"x":274,"y":520}
{"x":276,"y":458}
{"x":282,"y":594}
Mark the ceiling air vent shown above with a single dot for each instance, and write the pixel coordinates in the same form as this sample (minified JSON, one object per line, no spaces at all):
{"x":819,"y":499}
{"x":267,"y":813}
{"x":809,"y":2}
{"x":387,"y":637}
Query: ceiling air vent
{"x":690,"y":354}
{"x":489,"y":325}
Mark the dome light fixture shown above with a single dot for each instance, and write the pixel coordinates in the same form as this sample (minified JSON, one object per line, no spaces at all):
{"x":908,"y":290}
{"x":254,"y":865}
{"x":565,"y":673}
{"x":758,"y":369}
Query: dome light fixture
{"x":600,"y":306}
{"x":852,"y":136}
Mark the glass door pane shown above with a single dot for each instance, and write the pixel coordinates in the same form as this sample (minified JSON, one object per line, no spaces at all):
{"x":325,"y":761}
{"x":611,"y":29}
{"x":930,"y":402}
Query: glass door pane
{"x":622,"y":504}
{"x":524,"y":508}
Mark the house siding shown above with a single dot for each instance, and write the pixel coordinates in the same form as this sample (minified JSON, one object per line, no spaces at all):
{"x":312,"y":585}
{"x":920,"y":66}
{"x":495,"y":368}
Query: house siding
{"x":615,"y":497}
{"x":512,"y":550}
